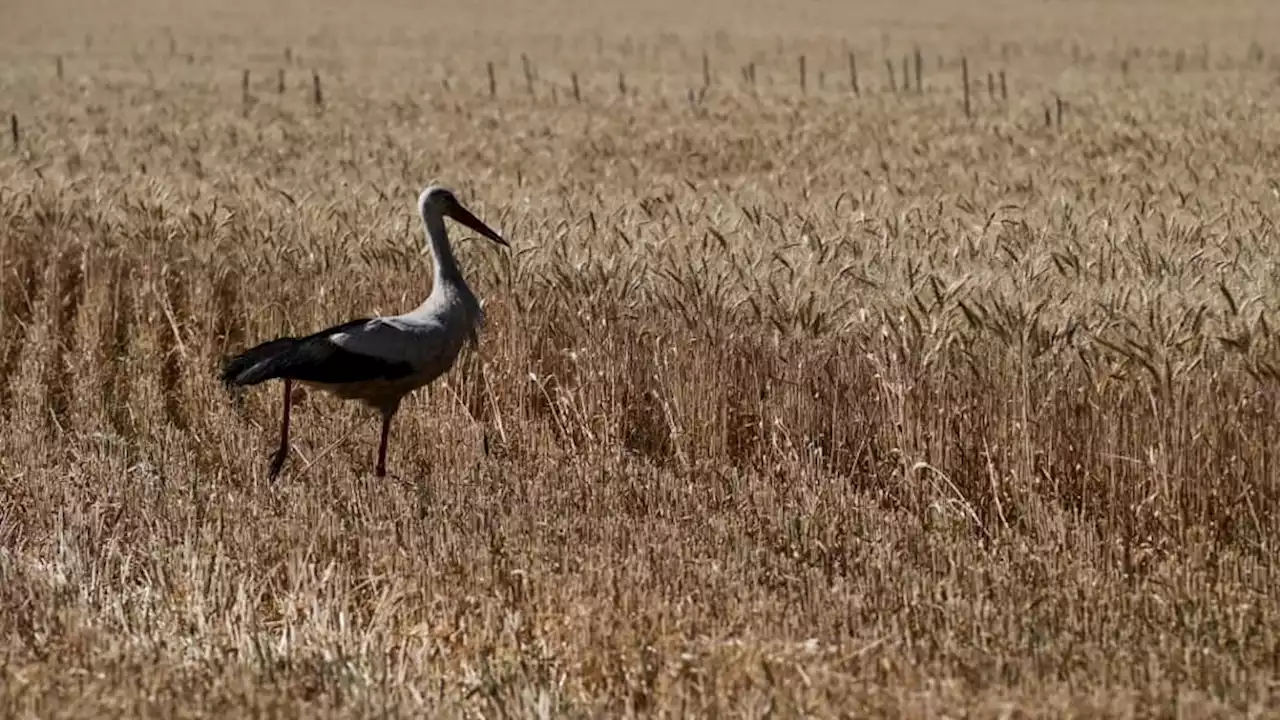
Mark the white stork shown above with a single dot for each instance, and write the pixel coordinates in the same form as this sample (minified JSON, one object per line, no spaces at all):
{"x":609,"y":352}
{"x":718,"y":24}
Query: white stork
{"x":378,"y":360}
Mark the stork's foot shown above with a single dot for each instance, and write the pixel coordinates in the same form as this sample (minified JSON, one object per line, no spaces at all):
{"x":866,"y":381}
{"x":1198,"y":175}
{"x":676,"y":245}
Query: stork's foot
{"x":396,"y":478}
{"x":277,"y":462}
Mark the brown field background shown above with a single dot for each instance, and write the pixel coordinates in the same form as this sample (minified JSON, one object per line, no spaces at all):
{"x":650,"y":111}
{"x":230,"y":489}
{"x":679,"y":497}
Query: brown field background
{"x":797,"y":402}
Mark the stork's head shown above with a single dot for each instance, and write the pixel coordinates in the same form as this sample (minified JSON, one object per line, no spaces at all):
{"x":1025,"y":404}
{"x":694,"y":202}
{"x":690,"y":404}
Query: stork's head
{"x":440,"y":202}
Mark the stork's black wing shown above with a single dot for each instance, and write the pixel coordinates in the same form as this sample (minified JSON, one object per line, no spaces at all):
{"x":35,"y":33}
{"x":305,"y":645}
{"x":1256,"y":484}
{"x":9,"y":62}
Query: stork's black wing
{"x":314,"y":358}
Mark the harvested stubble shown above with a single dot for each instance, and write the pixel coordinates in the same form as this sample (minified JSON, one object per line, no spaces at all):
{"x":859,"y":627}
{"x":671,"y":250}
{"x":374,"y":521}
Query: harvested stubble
{"x":816,"y":404}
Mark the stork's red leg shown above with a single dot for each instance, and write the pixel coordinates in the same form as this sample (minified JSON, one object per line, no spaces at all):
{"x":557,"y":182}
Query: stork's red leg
{"x":277,"y":460}
{"x":381,"y":469}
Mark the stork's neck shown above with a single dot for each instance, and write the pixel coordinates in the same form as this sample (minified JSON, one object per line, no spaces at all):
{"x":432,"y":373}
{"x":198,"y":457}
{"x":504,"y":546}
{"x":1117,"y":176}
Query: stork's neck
{"x":447,"y":273}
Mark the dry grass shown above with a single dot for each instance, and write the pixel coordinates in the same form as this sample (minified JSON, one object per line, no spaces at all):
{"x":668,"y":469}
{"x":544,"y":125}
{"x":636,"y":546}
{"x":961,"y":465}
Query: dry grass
{"x":803,"y":404}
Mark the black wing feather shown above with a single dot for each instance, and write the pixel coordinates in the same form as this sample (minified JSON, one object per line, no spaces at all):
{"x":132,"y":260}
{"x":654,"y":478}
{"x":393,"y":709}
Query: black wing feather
{"x":314,"y":358}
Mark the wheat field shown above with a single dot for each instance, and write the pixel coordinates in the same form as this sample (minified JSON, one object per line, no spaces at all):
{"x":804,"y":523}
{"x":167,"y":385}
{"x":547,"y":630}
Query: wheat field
{"x":791,"y":400}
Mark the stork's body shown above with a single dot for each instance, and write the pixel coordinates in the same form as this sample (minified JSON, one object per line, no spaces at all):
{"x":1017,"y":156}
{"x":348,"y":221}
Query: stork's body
{"x":380,"y":360}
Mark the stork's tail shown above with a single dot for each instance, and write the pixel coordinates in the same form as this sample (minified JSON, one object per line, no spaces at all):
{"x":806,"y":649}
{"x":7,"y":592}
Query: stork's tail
{"x":260,"y":363}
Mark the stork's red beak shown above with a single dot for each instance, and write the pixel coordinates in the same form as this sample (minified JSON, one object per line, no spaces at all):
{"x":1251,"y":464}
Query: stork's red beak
{"x":465,"y":217}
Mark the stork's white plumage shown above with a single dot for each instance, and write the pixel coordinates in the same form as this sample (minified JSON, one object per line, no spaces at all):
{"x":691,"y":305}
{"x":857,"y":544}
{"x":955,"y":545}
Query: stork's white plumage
{"x":378,"y":360}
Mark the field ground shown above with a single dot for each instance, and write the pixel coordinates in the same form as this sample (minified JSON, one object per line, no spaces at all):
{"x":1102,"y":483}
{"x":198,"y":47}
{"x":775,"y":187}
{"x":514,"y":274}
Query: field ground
{"x":790,"y":401}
